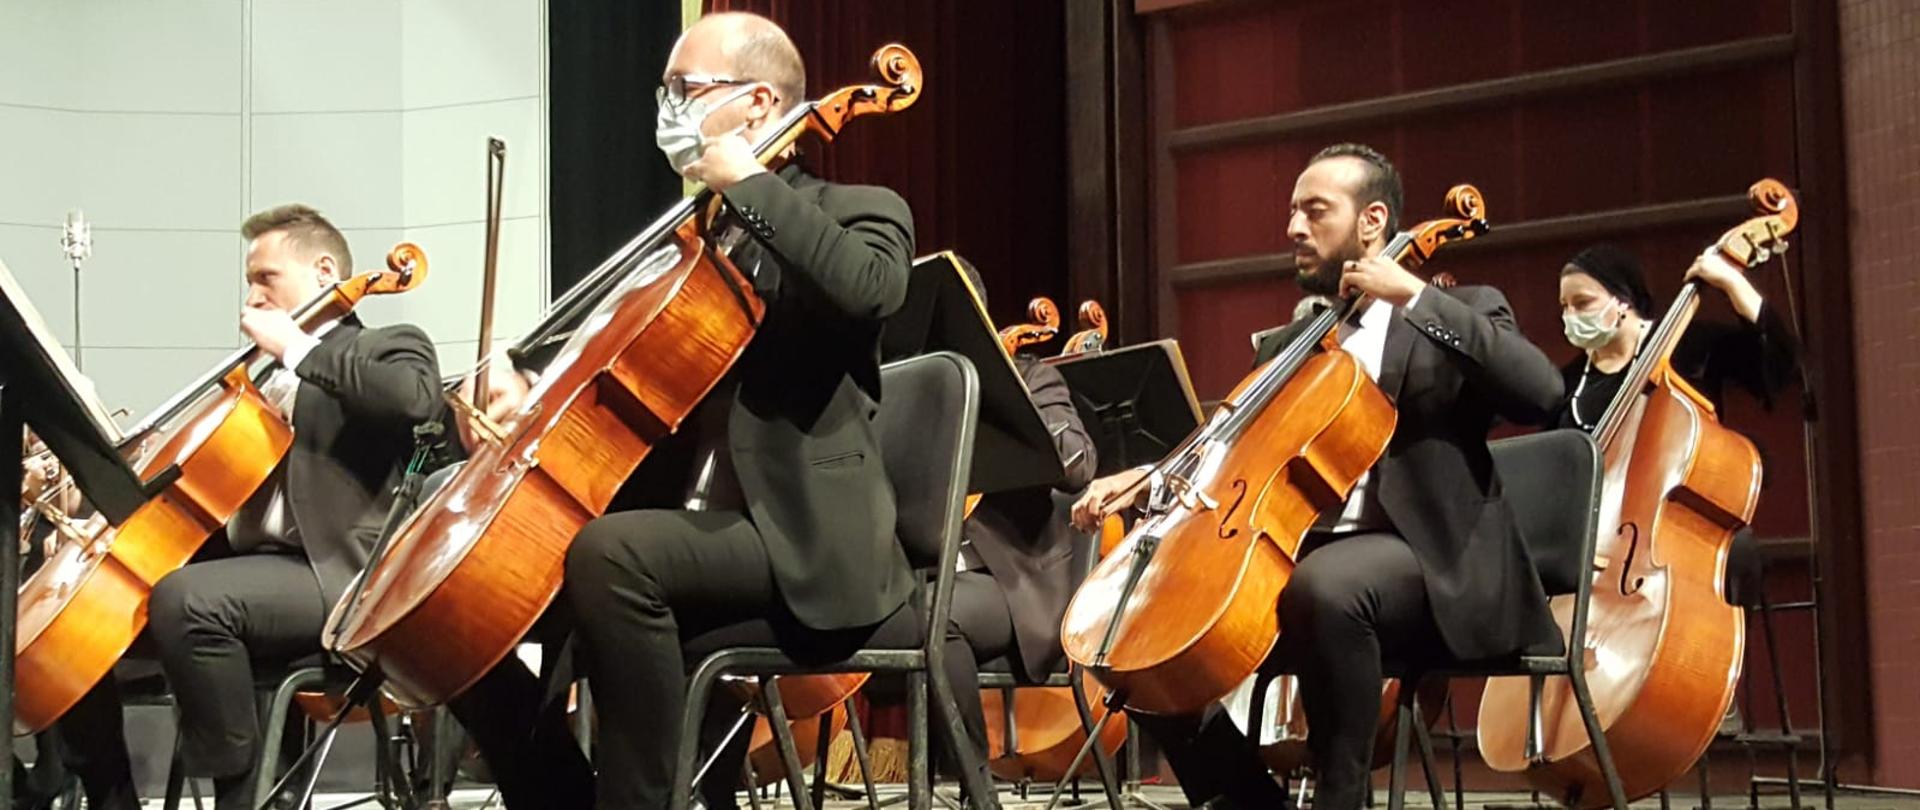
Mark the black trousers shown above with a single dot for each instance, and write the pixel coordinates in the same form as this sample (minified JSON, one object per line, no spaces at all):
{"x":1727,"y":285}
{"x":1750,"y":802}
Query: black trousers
{"x":980,"y":628}
{"x":1354,"y":602}
{"x":213,"y":623}
{"x":652,"y":592}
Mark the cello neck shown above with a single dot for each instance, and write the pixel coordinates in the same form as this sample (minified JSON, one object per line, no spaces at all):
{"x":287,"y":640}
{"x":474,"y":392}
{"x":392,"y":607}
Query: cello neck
{"x":1242,"y":410}
{"x":317,"y":312}
{"x":581,"y":299}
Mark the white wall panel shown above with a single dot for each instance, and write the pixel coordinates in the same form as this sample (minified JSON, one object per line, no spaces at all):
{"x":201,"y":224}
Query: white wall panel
{"x":445,"y":160}
{"x":345,"y":164}
{"x":334,"y":56}
{"x":463,"y":51}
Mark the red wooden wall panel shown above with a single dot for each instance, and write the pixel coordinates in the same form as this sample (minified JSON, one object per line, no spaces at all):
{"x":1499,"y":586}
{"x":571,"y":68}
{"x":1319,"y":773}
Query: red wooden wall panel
{"x":1549,"y":155}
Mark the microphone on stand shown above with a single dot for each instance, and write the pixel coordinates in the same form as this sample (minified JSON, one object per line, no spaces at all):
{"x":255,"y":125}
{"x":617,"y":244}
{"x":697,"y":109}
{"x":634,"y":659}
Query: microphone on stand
{"x":76,"y":241}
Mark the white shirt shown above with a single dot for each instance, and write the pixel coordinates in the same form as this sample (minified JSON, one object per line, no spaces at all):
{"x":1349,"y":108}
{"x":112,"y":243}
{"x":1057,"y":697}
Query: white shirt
{"x":266,"y":519}
{"x":1367,"y":342}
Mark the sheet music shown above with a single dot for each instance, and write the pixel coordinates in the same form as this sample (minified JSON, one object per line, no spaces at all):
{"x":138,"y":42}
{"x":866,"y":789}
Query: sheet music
{"x":49,"y":347}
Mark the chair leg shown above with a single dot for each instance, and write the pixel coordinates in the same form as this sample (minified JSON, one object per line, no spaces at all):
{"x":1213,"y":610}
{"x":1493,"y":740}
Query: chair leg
{"x":860,"y":753}
{"x":176,"y":777}
{"x":1780,"y":700}
{"x":699,"y":691}
{"x":1425,"y":740}
{"x":278,"y":709}
{"x":822,"y":741}
{"x":919,"y":775}
{"x":1403,"y":728}
{"x":1101,"y":762}
{"x":304,"y":774}
{"x":1453,"y":742}
{"x":1706,"y":783}
{"x":1597,"y":736}
{"x":749,"y":777}
{"x":783,"y":742}
{"x":973,"y":771}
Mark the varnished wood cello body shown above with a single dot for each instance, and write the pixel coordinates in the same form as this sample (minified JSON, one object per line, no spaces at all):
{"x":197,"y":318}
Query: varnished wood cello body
{"x":653,"y":330}
{"x":1664,"y":649}
{"x":1184,"y":610}
{"x":1288,"y":752}
{"x":83,"y":608}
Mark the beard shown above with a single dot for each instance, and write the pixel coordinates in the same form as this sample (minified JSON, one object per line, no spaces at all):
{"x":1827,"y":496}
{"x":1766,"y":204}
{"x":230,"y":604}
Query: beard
{"x":1324,"y":277}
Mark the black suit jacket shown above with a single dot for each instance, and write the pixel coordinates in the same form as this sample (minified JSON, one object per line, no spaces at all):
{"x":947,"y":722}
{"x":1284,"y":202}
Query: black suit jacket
{"x":1452,"y":364}
{"x":831,"y":263}
{"x":361,"y":392}
{"x":1023,"y":536}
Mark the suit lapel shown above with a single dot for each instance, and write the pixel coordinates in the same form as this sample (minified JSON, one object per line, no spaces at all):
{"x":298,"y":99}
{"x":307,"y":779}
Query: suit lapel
{"x":1395,"y":356}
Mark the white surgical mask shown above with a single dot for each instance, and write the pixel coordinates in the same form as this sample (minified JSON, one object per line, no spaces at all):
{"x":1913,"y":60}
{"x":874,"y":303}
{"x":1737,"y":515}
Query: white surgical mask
{"x":677,"y":131}
{"x":1587,"y":330}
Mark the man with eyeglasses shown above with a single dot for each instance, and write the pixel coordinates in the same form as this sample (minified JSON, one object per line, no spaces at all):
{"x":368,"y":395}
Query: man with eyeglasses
{"x":777,"y":527}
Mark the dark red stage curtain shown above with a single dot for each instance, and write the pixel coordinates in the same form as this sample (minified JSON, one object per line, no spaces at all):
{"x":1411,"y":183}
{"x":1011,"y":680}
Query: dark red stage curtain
{"x":981,"y":157}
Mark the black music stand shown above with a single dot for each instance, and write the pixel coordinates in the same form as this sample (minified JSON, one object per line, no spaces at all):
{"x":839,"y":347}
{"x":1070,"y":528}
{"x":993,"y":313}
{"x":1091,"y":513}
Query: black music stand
{"x":37,"y":389}
{"x":1013,"y":448}
{"x":1136,"y":402}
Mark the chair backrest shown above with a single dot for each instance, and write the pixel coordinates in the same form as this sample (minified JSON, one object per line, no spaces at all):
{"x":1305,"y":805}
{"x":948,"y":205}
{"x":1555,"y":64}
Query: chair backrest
{"x":1552,"y":482}
{"x":929,"y":410}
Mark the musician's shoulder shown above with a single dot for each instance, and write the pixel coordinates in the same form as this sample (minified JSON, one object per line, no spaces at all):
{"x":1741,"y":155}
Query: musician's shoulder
{"x":1478,"y":296}
{"x":855,"y":201}
{"x":394,"y":334}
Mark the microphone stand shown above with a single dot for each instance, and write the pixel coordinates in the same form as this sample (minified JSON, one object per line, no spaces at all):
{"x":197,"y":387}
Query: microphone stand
{"x":76,"y":241}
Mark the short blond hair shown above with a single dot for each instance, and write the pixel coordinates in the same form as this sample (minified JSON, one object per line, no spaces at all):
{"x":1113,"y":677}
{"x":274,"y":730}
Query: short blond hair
{"x":307,"y":231}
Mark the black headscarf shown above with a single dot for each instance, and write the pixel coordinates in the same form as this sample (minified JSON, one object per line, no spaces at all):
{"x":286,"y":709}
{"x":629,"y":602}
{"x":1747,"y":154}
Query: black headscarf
{"x":1619,"y":272}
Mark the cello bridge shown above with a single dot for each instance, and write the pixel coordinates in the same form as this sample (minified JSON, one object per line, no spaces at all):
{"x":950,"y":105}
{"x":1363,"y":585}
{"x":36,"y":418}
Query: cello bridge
{"x":1188,"y":495}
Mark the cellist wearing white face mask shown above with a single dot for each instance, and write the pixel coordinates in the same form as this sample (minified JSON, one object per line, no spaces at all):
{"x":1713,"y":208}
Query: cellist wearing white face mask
{"x":1607,"y":311}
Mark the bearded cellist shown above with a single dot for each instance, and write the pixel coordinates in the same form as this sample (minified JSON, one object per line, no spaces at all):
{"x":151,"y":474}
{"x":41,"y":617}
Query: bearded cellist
{"x":1422,"y":562}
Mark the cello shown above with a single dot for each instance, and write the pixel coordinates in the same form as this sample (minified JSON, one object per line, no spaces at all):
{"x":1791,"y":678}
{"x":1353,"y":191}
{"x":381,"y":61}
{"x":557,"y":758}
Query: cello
{"x":1047,"y":732}
{"x":1092,"y":336}
{"x":83,"y":608}
{"x":646,"y":336}
{"x":1183,"y":611}
{"x":1664,"y":648}
{"x":1288,"y":752}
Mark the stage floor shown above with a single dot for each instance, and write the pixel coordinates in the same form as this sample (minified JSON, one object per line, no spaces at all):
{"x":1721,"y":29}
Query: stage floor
{"x":1170,"y":799}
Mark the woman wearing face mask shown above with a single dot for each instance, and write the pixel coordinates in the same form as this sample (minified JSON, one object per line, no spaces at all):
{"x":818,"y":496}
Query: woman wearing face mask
{"x":1607,"y":311}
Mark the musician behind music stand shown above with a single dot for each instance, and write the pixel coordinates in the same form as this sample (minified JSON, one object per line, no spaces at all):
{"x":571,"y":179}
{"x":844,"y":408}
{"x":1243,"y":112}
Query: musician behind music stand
{"x":1013,"y":448}
{"x":1137,"y":401}
{"x":37,"y":388}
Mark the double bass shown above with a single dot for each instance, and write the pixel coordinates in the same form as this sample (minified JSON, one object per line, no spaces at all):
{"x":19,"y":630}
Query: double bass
{"x":1183,"y":611}
{"x":1664,"y":648}
{"x":643,"y":339}
{"x":83,"y":608}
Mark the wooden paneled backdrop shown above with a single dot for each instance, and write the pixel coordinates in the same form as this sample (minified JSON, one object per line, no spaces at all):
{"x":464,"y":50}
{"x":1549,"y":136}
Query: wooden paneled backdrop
{"x":1142,"y":152}
{"x":1639,"y":122}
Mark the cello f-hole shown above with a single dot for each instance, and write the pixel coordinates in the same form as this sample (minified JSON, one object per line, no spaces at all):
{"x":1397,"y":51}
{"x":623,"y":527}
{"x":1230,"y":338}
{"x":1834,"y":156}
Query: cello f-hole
{"x":1239,"y":494}
{"x":1626,"y":566}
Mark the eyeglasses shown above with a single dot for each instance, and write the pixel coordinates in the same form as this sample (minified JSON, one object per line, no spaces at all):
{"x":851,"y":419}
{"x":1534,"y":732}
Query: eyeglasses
{"x":675,"y":93}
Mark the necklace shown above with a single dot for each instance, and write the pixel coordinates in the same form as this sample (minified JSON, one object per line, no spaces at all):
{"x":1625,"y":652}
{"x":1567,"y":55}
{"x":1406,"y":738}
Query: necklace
{"x":1573,"y":404}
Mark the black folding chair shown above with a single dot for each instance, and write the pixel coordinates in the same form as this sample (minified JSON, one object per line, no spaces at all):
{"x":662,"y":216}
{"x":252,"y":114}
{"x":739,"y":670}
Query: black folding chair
{"x":926,"y":427}
{"x":1552,"y":480}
